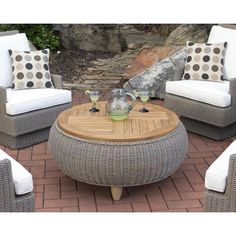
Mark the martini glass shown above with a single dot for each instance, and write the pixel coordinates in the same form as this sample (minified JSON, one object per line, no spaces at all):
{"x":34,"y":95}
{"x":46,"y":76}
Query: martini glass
{"x":144,"y":97}
{"x":94,"y":96}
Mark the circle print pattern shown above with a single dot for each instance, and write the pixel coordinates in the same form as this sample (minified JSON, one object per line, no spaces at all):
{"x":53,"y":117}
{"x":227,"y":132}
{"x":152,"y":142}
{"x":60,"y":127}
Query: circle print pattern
{"x":206,"y":58}
{"x":196,"y":76}
{"x":37,"y":58}
{"x":39,"y":75}
{"x":198,"y":50}
{"x":205,"y":61}
{"x":20,"y":75}
{"x":30,"y":84}
{"x":189,"y":58}
{"x":48,"y":84}
{"x":29,"y":66}
{"x":18,"y":58}
{"x":28,"y":58}
{"x":196,"y":67}
{"x":205,"y":76}
{"x":30,"y":75}
{"x":187,"y":76}
{"x":30,"y":69}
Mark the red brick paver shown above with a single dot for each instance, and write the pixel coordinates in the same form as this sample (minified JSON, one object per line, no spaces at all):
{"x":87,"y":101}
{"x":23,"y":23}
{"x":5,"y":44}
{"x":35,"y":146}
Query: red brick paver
{"x":181,"y":192}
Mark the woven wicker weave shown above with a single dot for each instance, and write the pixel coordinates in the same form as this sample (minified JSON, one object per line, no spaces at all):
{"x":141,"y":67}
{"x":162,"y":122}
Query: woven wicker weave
{"x":118,"y":163}
{"x":223,"y":202}
{"x":26,"y":129}
{"x":29,"y":128}
{"x":211,"y":131}
{"x":205,"y":119}
{"x":9,"y":201}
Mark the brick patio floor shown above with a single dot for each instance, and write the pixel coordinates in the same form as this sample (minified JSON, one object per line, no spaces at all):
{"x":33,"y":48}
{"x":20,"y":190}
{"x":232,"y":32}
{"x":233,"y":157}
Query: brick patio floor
{"x":181,"y":192}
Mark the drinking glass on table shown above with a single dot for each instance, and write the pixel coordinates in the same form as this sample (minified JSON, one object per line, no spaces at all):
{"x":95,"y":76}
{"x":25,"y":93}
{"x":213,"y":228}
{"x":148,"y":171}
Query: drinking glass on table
{"x":94,"y":96}
{"x":144,"y":97}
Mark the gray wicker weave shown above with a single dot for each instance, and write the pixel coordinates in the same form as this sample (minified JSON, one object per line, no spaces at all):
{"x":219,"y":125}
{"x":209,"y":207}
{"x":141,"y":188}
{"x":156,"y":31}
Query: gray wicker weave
{"x":205,"y":119}
{"x":9,"y":201}
{"x":223,"y":202}
{"x":118,"y":163}
{"x":26,"y":129}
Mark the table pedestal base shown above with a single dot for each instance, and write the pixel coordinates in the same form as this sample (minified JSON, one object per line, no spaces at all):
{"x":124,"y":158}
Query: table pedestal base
{"x":116,"y":193}
{"x":118,"y":164}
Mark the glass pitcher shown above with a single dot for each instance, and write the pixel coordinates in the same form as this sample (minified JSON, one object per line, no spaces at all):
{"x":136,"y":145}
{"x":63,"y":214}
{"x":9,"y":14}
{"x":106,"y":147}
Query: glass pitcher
{"x":119,"y":106}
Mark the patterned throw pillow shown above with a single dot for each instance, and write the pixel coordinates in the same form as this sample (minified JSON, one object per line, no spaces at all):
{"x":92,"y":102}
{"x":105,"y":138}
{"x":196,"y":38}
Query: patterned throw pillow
{"x":205,"y":61}
{"x":30,"y":69}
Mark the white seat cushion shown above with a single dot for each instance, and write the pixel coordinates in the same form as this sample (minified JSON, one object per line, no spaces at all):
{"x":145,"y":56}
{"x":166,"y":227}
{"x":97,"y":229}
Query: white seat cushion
{"x":21,"y":101}
{"x":15,"y":42}
{"x":220,"y":34}
{"x":22,"y":179}
{"x":213,"y":93}
{"x":216,"y":175}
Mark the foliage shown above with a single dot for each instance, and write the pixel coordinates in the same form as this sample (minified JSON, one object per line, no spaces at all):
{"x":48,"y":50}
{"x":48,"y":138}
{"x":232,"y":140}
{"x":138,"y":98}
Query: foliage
{"x":41,"y":35}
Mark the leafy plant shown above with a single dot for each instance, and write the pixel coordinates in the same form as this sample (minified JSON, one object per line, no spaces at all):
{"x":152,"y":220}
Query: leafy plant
{"x":41,"y":35}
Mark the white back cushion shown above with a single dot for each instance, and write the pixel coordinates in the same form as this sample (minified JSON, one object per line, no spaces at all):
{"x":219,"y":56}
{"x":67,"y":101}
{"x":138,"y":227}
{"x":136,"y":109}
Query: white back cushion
{"x":216,"y":174}
{"x":220,"y":34}
{"x":22,"y":179}
{"x":15,"y":42}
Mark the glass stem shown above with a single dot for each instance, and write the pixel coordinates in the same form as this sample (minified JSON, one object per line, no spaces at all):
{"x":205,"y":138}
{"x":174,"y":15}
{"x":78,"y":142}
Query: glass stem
{"x":144,"y":104}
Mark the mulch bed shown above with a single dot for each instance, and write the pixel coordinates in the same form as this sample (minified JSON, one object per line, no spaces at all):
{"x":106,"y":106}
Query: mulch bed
{"x":71,"y":64}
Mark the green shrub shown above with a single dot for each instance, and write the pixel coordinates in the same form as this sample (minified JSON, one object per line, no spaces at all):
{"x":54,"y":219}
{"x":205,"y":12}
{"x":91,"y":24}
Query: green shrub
{"x":41,"y":35}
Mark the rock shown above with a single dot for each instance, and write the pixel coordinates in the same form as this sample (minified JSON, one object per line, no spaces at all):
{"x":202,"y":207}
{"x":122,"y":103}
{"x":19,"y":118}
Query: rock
{"x":229,"y":26}
{"x":135,"y":38}
{"x":134,"y":46}
{"x":154,"y":78}
{"x":105,"y":38}
{"x":146,"y":57}
{"x":187,"y":32}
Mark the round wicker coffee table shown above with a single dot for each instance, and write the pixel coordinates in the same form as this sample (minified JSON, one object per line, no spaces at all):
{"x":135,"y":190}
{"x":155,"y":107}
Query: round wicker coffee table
{"x":92,"y":148}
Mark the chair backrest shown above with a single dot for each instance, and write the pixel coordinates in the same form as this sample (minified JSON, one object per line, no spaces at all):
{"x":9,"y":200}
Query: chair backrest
{"x":15,"y":41}
{"x":22,"y":178}
{"x":10,"y":32}
{"x":220,"y":34}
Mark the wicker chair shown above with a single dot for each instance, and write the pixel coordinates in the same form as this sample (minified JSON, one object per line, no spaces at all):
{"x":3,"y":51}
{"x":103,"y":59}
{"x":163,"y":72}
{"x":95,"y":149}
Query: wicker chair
{"x":26,"y":129}
{"x":9,"y":201}
{"x":201,"y":118}
{"x":220,"y":182}
{"x":213,"y":119}
{"x":223,"y":202}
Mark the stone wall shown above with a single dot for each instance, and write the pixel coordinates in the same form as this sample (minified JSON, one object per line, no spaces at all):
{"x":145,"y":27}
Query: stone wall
{"x":88,"y":37}
{"x":188,"y":32}
{"x":142,"y":58}
{"x":106,"y":38}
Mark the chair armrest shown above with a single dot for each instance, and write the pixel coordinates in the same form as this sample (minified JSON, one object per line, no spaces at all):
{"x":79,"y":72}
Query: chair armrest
{"x":232,"y":86}
{"x":232,"y":91}
{"x":3,"y":100}
{"x":57,"y":81}
{"x":178,"y":70}
{"x":7,"y":192}
{"x":231,"y":178}
{"x":32,"y":47}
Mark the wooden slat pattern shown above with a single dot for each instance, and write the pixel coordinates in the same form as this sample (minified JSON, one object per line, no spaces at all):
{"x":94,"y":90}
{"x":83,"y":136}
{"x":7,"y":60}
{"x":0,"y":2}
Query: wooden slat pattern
{"x":78,"y":121}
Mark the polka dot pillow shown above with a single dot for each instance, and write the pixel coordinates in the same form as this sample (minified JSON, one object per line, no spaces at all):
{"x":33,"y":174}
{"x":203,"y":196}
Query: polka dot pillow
{"x":30,"y":69}
{"x":205,"y":61}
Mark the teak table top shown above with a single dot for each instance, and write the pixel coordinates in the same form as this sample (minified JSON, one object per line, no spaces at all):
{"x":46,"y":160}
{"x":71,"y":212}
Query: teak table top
{"x":80,"y":122}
